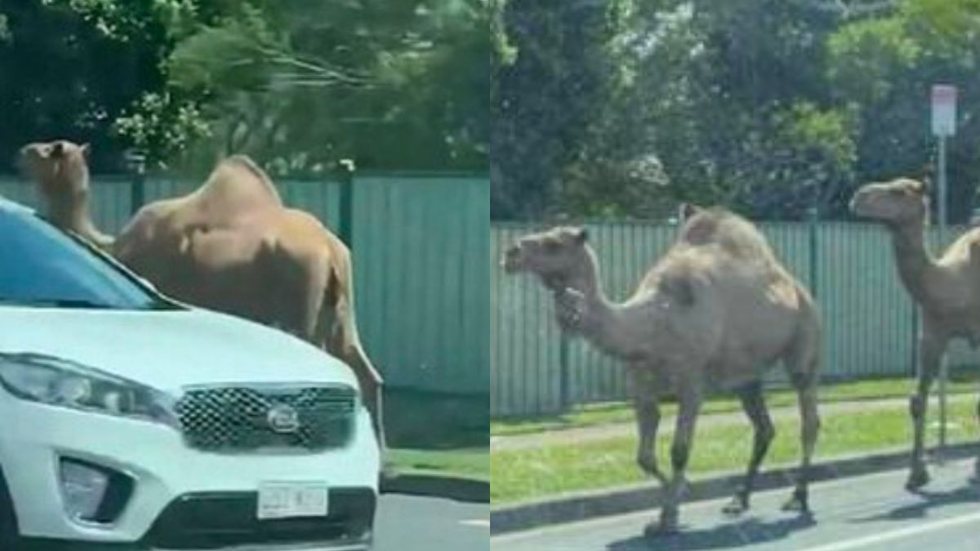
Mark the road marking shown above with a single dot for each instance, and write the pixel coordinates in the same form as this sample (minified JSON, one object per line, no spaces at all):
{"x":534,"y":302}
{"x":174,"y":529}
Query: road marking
{"x":898,"y":534}
{"x":478,"y":522}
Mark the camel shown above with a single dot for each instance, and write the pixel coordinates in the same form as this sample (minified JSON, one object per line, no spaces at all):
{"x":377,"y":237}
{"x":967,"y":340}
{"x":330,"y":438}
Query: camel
{"x":946,"y":290}
{"x":718,"y":307}
{"x":231,"y":246}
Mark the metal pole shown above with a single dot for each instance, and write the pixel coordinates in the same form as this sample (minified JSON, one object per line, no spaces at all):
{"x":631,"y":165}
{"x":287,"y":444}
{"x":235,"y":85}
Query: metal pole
{"x":137,"y":186}
{"x":814,"y":256}
{"x":345,"y":226}
{"x":563,"y":361}
{"x":943,"y":368}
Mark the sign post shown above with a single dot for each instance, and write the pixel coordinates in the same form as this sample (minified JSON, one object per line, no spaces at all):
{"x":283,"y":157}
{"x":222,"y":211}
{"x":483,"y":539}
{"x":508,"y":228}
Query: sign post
{"x":943,"y":126}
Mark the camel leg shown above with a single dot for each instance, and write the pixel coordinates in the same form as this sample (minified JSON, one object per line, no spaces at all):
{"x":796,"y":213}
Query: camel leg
{"x":680,"y":450}
{"x":647,"y":408}
{"x":330,"y":319}
{"x":371,"y":388}
{"x":976,"y":466}
{"x":372,"y":385}
{"x":754,"y":404}
{"x":930,"y":356}
{"x":806,"y":389}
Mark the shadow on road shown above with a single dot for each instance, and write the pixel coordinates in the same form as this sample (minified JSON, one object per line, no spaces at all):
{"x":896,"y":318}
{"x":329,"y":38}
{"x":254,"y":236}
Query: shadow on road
{"x":930,"y":500}
{"x":726,"y":536}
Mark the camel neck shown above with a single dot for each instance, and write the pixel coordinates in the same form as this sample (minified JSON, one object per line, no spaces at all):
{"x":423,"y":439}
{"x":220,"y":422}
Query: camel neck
{"x":604,"y":323}
{"x":71,"y":212}
{"x":916,"y":266}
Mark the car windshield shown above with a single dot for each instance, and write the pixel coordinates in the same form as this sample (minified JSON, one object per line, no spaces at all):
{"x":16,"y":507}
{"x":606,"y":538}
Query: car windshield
{"x":45,"y":267}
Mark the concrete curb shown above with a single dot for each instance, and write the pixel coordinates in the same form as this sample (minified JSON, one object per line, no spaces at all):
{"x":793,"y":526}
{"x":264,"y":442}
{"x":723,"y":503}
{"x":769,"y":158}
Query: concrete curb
{"x":433,"y":485}
{"x":638,"y":497}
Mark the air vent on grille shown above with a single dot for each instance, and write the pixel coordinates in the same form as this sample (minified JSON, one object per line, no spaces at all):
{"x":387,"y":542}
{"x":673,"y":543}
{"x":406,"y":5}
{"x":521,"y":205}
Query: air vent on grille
{"x":251,"y":418}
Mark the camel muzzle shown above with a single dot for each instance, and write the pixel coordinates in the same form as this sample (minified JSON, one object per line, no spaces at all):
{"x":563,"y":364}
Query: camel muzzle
{"x":858,"y":205}
{"x":513,"y":260}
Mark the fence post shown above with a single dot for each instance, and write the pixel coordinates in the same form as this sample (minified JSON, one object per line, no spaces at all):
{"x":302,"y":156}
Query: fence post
{"x":345,"y":226}
{"x":565,"y":386}
{"x":136,"y":162}
{"x":814,"y":219}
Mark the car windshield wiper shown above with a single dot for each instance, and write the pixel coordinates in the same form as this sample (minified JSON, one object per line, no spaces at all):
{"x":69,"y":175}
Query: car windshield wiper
{"x":59,"y":303}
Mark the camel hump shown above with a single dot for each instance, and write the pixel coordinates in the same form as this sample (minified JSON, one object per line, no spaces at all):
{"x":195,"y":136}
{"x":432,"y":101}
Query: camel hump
{"x":238,"y":182}
{"x":731,"y":232}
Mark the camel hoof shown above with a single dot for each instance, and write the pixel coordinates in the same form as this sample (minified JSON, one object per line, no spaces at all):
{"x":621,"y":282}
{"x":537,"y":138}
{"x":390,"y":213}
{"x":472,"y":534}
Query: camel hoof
{"x":659,"y":529}
{"x":918,"y":478}
{"x":738,"y":505}
{"x":797,"y":504}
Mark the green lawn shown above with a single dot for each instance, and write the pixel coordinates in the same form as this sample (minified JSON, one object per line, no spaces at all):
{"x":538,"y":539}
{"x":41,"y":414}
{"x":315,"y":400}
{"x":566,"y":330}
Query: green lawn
{"x":620,"y":412}
{"x":525,"y":474}
{"x":469,"y":463}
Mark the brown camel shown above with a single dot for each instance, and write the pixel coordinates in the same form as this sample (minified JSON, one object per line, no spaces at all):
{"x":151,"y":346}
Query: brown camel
{"x":716,"y":307}
{"x":947,"y":290}
{"x":230,"y":246}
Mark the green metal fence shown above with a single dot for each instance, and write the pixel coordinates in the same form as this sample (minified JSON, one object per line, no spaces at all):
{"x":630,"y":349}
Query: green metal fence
{"x":867,"y":316}
{"x":420,"y":244}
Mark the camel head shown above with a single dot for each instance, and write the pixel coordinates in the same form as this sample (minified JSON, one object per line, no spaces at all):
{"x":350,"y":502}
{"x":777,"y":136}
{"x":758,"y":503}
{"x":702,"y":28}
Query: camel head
{"x":896,"y":202}
{"x":59,"y":168}
{"x":558,"y":256}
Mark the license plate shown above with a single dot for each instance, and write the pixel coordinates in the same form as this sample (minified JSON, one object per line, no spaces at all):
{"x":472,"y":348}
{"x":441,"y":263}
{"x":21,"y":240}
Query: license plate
{"x":291,"y":499}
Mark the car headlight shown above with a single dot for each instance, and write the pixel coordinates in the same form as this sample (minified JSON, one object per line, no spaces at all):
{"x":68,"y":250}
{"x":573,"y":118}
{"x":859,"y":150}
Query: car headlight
{"x":59,"y":382}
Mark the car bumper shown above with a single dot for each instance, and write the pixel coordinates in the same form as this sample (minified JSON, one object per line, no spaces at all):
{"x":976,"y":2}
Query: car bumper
{"x":181,"y":497}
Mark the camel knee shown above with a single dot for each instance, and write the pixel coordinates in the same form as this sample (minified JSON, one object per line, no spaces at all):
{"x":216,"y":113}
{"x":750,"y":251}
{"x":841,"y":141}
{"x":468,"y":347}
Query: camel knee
{"x":917,"y":407}
{"x":647,"y":462}
{"x":765,"y":433}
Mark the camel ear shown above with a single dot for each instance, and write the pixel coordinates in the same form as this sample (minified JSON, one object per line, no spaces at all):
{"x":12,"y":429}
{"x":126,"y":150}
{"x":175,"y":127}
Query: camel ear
{"x":581,"y":235}
{"x":688,"y":210}
{"x":58,"y":150}
{"x":921,"y":186}
{"x":86,"y":150}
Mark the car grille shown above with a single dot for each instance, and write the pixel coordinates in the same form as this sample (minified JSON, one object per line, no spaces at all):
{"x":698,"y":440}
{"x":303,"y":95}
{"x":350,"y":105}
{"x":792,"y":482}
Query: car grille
{"x":232,"y":419}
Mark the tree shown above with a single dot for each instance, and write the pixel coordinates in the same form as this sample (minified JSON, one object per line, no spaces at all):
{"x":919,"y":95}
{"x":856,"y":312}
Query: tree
{"x":67,"y":75}
{"x":300,"y":85}
{"x":885,"y":66}
{"x":553,"y":77}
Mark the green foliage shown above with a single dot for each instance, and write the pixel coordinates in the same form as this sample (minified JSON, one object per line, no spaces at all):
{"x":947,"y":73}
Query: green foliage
{"x":162,"y":126}
{"x":299,"y":84}
{"x":768,"y":106}
{"x":884,"y":67}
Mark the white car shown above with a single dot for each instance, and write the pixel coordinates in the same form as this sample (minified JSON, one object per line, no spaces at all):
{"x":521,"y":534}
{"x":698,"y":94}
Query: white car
{"x":129,"y":418}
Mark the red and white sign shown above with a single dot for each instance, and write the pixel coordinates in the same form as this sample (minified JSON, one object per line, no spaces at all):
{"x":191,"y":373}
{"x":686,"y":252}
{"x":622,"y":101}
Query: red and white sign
{"x":943,"y":110}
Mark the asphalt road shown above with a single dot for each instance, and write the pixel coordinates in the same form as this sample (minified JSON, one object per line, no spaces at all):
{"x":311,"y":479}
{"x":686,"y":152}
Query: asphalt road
{"x":869,"y":513}
{"x":405,"y":523}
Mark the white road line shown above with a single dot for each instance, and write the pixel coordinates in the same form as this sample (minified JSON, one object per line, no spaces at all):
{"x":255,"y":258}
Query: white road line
{"x":478,"y":522}
{"x":897,"y":534}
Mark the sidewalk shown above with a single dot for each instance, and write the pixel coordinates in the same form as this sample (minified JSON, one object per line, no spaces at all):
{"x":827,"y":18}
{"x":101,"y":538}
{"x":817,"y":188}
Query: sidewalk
{"x":620,"y":430}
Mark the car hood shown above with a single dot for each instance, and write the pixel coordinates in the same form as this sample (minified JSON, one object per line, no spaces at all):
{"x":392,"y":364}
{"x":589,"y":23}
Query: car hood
{"x":169,"y":349}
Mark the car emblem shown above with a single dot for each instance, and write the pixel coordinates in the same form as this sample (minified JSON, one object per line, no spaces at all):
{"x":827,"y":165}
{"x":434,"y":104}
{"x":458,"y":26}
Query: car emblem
{"x":283,"y":419}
